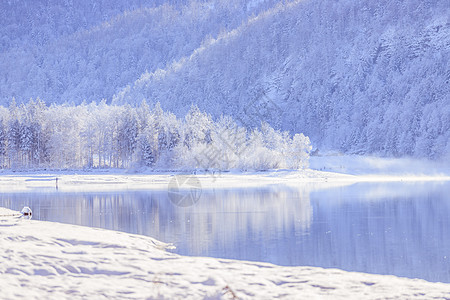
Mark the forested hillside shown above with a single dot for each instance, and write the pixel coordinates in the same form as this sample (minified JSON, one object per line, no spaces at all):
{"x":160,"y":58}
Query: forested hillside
{"x":355,"y":76}
{"x":75,"y":51}
{"x":37,"y":22}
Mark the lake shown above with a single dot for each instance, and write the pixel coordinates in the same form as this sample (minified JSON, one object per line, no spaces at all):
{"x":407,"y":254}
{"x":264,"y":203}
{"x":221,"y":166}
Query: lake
{"x":397,"y":228}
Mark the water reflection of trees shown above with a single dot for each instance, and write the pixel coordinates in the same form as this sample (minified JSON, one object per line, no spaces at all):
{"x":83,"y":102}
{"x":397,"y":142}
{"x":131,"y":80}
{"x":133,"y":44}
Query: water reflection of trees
{"x":225,"y":221}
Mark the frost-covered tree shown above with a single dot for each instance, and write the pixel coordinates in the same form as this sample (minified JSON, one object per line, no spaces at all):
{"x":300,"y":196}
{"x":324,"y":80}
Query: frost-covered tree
{"x":146,"y":151}
{"x":298,"y":152}
{"x":3,"y":145}
{"x":127,"y":136}
{"x":197,"y":127}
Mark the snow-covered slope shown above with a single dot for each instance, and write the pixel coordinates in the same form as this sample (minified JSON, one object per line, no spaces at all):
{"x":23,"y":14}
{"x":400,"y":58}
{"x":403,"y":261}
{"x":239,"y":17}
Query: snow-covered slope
{"x":37,"y":22}
{"x":75,"y":50}
{"x":358,"y":76}
{"x":44,"y":260}
{"x":355,"y":76}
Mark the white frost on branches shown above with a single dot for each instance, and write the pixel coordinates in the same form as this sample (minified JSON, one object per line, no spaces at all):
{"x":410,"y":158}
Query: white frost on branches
{"x":93,"y":135}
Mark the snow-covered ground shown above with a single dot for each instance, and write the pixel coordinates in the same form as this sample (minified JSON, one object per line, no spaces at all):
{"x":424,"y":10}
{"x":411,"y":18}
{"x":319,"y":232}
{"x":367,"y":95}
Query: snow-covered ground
{"x":324,"y":169}
{"x":120,"y":180}
{"x":43,"y":260}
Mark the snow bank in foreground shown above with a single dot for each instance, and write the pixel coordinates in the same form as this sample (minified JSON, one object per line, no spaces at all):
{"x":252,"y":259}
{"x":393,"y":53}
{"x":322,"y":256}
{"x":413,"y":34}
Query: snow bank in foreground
{"x":45,"y":260}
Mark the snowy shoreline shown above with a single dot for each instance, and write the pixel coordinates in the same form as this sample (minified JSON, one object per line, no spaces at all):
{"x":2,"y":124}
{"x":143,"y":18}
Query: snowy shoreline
{"x":325,"y":170}
{"x":51,"y":260}
{"x":118,"y":180}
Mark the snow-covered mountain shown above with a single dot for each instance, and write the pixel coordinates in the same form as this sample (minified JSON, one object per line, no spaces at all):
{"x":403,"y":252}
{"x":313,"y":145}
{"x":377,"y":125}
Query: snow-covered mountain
{"x":71,"y":51}
{"x":356,"y":76}
{"x":359,"y":76}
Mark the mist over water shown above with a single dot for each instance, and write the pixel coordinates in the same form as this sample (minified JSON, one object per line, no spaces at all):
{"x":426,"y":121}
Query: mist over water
{"x":373,"y":165}
{"x":385,"y":228}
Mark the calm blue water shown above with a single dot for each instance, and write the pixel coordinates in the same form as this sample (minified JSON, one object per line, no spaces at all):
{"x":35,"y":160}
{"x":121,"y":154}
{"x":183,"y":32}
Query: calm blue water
{"x":385,"y":228}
